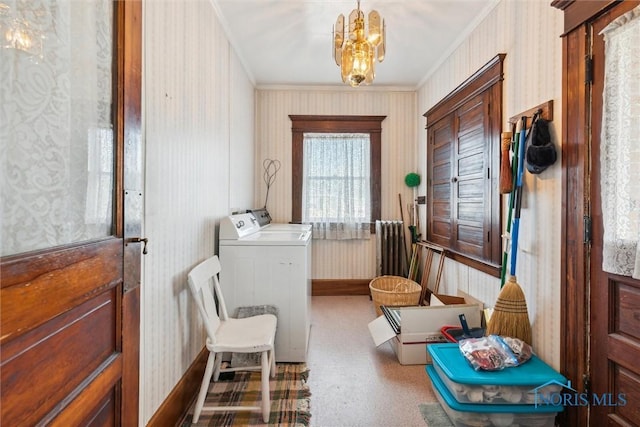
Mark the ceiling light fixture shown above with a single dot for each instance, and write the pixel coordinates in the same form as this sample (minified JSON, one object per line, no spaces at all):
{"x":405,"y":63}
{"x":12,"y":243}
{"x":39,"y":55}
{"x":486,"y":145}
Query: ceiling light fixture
{"x":16,"y":33}
{"x":356,"y":54}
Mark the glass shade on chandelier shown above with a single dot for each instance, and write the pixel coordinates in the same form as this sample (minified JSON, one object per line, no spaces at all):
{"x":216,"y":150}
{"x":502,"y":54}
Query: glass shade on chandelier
{"x":16,"y":33}
{"x":357,"y":50}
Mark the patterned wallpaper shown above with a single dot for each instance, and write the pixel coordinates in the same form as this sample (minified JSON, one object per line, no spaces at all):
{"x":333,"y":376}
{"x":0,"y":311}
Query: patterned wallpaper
{"x":529,"y":33}
{"x":198,"y":117}
{"x":338,"y":259}
{"x":198,"y":123}
{"x":198,"y":112}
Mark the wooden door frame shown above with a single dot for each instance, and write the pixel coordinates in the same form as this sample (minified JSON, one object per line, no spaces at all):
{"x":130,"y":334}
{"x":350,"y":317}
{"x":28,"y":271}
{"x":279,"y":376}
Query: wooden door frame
{"x":574,"y":298}
{"x":576,"y":190}
{"x":130,"y":171}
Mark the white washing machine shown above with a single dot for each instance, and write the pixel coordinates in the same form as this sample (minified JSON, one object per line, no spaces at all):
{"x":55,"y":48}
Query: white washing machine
{"x":264,"y":220}
{"x":269,"y":268}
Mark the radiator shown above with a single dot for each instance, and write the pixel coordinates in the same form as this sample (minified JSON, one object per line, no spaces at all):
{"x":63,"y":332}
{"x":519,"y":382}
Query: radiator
{"x":391,"y":257}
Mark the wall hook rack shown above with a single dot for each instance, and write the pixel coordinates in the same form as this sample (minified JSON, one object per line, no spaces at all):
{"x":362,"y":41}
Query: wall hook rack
{"x":545,"y":111}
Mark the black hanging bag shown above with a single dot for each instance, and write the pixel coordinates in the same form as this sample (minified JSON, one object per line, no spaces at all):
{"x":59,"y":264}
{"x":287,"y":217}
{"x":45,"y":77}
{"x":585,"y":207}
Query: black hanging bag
{"x":541,"y":152}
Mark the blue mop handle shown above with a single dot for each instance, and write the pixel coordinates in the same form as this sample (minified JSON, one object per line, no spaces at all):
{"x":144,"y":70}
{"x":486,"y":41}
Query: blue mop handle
{"x":516,"y":221}
{"x":514,"y":245}
{"x":521,"y":149}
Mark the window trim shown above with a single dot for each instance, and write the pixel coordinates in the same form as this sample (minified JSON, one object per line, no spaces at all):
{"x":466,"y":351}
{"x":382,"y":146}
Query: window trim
{"x":335,"y":124}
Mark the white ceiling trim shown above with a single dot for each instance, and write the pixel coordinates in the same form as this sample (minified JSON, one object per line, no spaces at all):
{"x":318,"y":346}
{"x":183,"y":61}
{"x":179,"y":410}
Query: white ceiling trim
{"x":491,"y":4}
{"x":232,"y":41}
{"x":277,"y":52}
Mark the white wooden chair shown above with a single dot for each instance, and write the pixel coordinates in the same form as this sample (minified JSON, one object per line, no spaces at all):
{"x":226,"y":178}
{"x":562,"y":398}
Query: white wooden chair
{"x":224,"y":334}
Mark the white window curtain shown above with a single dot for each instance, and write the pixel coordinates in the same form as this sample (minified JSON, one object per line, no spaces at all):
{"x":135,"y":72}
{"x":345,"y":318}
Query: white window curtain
{"x":336,"y":196}
{"x":620,"y":146}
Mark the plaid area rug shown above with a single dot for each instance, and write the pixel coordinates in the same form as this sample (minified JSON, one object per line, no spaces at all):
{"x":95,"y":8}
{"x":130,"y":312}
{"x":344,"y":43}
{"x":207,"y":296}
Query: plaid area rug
{"x":290,"y":398}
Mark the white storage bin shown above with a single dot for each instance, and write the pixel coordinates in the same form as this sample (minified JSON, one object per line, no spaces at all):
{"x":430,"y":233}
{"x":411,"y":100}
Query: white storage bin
{"x":495,"y":394}
{"x":483,"y":415}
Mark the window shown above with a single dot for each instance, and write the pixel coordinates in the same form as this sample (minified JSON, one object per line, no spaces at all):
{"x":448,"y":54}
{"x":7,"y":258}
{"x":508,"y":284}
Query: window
{"x":336,"y":174}
{"x":60,"y":90}
{"x":463,"y":200}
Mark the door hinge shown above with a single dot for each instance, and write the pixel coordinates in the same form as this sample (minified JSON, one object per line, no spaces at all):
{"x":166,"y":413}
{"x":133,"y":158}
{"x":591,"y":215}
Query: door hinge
{"x":587,"y":229}
{"x":586,"y":383}
{"x":588,"y":69}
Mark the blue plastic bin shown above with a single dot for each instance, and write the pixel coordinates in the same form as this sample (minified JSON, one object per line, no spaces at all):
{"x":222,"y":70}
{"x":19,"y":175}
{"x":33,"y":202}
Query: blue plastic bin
{"x":530,"y":383}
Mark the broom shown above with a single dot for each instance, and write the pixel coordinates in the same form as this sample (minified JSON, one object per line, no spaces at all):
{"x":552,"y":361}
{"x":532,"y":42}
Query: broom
{"x":514,"y":176}
{"x":510,"y":316}
{"x":506,"y":173}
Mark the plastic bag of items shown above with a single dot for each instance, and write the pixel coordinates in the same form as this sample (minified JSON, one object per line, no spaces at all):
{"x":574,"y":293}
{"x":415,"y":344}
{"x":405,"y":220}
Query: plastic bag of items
{"x":494,"y":352}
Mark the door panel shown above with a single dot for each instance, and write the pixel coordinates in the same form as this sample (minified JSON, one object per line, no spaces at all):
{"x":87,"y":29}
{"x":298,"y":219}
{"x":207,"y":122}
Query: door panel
{"x":470,"y":172}
{"x":615,"y":300}
{"x":628,"y":383}
{"x":440,"y":150}
{"x":73,"y":275}
{"x":97,"y":405}
{"x":70,"y":333}
{"x":61,"y":329}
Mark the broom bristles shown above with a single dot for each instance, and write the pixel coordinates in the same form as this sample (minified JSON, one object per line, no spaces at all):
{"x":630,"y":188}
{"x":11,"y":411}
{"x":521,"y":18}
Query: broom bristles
{"x":510,"y":317}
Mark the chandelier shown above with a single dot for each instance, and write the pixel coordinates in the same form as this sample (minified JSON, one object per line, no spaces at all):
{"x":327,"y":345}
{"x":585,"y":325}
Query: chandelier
{"x":16,"y":33}
{"x":356,"y":51}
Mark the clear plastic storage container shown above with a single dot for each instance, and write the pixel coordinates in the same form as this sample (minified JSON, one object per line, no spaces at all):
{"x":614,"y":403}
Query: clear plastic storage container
{"x":483,"y":415}
{"x":528,"y":384}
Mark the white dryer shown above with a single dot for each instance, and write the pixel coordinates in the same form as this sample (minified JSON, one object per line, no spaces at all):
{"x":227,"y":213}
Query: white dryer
{"x":269,"y":268}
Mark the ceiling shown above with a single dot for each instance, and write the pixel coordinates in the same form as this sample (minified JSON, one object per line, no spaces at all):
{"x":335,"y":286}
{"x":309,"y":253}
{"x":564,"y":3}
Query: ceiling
{"x":289,"y":42}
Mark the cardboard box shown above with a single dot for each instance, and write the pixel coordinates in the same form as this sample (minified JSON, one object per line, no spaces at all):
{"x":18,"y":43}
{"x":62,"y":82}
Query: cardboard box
{"x":420,"y":325}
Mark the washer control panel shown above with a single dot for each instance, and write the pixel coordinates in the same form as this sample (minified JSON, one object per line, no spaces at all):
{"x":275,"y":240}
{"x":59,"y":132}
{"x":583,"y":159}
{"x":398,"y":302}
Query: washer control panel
{"x":234,"y":227}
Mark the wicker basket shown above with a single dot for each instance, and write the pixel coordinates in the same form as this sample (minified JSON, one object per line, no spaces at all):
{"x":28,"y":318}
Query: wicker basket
{"x":394,"y":290}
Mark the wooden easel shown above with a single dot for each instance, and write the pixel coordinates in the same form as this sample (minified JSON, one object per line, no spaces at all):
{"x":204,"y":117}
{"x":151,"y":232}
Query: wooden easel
{"x":426,"y":271}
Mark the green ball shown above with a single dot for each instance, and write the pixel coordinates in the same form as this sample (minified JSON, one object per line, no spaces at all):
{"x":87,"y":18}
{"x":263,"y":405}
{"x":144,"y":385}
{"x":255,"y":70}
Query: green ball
{"x":412,"y":179}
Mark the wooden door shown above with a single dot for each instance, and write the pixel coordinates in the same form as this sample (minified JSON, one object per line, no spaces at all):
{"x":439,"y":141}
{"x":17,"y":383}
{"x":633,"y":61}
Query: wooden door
{"x":70,"y":313}
{"x":471,"y":179}
{"x":615,"y":300}
{"x":441,"y":144}
{"x":600,"y":312}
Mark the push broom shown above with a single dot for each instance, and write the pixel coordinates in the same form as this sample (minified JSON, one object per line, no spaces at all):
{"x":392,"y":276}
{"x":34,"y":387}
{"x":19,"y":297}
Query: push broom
{"x":510,"y":316}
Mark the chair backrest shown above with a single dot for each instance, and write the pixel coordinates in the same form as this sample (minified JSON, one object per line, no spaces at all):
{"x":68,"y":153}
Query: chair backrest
{"x":200,"y":284}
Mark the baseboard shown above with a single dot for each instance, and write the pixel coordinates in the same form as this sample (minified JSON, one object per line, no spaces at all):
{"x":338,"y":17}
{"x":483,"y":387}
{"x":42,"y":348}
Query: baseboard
{"x":331,"y":287}
{"x":175,"y":407}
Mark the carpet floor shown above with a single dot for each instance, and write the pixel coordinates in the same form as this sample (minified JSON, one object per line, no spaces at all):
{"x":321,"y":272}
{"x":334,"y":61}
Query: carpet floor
{"x":355,"y":383}
{"x":290,"y":399}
